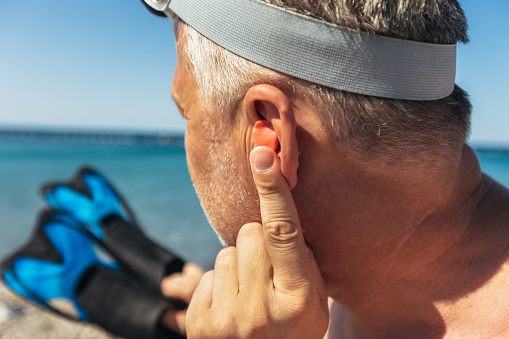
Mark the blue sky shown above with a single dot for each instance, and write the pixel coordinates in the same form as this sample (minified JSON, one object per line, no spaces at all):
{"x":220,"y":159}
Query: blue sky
{"x":109,"y":64}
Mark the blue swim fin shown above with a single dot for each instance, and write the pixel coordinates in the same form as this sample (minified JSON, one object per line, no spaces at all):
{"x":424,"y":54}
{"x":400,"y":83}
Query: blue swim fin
{"x":99,"y":208}
{"x":62,"y":270}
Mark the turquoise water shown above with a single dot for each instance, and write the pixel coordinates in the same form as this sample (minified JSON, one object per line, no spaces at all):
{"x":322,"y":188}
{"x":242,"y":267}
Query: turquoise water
{"x":154,"y":180}
{"x":495,"y":162}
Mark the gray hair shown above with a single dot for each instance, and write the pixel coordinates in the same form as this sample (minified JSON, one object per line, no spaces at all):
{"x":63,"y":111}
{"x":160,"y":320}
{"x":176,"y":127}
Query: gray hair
{"x":387,"y":130}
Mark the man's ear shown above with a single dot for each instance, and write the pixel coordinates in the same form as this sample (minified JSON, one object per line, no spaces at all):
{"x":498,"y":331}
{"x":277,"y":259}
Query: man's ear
{"x":271,"y":113}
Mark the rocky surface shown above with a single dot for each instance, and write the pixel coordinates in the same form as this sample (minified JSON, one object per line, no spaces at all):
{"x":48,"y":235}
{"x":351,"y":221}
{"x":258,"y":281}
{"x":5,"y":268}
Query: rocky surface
{"x":21,"y":319}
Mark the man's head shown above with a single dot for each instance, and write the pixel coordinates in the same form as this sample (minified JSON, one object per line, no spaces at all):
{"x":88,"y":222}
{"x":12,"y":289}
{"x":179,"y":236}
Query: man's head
{"x":363,"y":129}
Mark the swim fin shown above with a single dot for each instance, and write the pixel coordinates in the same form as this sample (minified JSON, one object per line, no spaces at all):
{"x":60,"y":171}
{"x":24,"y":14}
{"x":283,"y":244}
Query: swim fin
{"x":100,"y":209}
{"x":62,"y":270}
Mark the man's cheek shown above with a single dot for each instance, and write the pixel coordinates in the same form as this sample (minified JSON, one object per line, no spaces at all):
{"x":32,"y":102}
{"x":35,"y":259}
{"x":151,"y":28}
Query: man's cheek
{"x":196,"y":155}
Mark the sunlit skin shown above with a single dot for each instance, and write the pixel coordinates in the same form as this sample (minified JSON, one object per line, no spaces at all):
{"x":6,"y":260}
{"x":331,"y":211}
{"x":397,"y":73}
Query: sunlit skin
{"x":216,"y":160}
{"x":219,"y":173}
{"x":218,"y":153}
{"x":421,"y":250}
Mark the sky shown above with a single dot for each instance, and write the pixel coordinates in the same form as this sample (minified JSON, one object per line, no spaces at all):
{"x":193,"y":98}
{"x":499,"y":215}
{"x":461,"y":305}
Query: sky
{"x":109,"y":65}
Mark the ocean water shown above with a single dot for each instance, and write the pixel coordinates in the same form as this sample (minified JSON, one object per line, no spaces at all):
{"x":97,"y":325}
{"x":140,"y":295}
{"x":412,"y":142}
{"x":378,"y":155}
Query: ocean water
{"x":495,"y":163}
{"x":153,"y":179}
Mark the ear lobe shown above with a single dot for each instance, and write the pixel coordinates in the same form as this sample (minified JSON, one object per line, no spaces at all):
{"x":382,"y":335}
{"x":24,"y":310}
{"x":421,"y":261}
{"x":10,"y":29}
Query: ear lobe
{"x":264,"y":135}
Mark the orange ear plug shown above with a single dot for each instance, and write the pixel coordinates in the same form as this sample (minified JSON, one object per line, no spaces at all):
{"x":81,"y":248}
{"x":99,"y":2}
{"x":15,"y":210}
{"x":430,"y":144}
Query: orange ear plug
{"x":264,"y":135}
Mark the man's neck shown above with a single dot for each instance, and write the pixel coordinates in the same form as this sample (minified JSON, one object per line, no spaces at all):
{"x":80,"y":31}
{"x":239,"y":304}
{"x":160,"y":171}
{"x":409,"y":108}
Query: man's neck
{"x":398,"y":262}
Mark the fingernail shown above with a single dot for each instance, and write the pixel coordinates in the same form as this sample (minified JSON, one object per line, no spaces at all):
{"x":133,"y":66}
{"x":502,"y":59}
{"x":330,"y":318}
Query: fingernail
{"x":263,"y":158}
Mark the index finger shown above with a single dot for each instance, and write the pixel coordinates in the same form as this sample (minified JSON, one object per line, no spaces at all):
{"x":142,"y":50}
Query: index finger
{"x":282,"y":230}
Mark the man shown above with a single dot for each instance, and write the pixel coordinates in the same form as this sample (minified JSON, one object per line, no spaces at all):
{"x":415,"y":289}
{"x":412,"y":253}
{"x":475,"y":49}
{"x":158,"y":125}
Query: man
{"x":406,"y":236}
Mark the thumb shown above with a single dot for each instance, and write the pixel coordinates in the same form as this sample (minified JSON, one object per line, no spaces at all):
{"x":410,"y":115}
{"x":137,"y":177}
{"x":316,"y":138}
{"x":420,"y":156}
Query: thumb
{"x":283,"y":234}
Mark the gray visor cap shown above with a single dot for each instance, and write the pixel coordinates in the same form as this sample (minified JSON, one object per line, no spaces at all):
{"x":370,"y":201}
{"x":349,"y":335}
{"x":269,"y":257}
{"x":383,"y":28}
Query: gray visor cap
{"x":323,"y":53}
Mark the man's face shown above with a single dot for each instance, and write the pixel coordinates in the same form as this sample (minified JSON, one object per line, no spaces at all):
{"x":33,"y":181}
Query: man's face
{"x":217,"y":157}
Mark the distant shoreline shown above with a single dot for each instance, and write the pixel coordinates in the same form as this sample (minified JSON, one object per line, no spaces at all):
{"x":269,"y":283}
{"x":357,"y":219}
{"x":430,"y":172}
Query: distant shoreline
{"x":125,"y":138}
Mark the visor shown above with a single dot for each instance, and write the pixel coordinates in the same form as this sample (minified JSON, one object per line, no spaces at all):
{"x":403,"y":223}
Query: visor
{"x":317,"y":51}
{"x":161,"y":8}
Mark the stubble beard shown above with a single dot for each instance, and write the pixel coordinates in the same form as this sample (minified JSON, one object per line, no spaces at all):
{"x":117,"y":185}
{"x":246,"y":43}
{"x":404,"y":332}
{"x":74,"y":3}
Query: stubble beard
{"x":225,"y":189}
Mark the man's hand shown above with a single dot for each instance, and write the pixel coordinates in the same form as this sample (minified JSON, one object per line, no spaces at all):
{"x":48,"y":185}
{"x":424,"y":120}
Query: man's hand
{"x":269,"y":285}
{"x":180,"y":286}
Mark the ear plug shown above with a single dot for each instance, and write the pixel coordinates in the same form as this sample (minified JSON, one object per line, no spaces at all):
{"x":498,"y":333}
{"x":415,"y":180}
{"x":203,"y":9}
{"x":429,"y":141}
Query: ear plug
{"x":264,"y":135}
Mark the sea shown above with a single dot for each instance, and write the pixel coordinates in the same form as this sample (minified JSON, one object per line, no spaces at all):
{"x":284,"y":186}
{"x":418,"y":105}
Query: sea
{"x":148,"y":169}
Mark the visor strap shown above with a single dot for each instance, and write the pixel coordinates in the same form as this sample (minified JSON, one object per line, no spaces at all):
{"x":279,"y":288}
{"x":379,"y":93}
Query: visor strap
{"x":324,"y":53}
